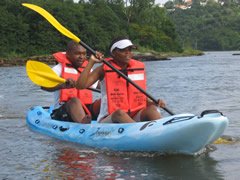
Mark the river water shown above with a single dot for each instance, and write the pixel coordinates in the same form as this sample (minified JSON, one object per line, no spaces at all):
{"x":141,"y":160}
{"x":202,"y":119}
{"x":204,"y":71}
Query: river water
{"x":186,"y":84}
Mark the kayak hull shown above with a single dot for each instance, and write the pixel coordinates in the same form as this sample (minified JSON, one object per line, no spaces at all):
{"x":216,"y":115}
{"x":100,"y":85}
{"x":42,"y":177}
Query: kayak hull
{"x":181,"y":134}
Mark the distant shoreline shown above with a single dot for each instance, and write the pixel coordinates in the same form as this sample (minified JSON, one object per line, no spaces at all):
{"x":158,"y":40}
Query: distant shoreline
{"x":19,"y":61}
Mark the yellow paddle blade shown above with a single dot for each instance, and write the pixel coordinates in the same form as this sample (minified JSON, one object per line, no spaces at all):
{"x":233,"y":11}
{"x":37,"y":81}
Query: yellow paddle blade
{"x":221,"y":141}
{"x":53,"y":21}
{"x":42,"y":75}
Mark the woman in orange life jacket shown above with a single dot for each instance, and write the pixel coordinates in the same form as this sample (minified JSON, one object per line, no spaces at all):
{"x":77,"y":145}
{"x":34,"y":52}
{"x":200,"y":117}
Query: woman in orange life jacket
{"x":121,"y":102}
{"x":71,"y":104}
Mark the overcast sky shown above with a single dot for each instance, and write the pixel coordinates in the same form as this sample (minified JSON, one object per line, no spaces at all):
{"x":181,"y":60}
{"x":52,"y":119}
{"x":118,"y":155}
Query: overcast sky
{"x":160,"y":1}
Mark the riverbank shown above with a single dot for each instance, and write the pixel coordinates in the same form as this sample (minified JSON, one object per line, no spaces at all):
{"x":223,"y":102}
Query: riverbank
{"x":21,"y":61}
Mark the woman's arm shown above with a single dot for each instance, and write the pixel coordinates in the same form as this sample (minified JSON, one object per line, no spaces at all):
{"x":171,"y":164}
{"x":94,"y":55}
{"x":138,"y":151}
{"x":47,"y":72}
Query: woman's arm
{"x":86,"y":78}
{"x":161,"y":103}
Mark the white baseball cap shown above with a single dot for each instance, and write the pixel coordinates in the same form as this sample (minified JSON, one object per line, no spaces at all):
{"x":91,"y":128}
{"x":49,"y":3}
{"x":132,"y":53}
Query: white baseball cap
{"x":122,"y":44}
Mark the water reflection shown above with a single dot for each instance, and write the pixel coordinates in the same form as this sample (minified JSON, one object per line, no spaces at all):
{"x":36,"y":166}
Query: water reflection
{"x":75,"y":163}
{"x":185,"y":167}
{"x":85,"y":164}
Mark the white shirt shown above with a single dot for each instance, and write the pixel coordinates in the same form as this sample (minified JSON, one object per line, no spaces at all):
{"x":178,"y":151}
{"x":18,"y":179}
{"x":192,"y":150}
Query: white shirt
{"x":56,"y":94}
{"x":104,"y":105}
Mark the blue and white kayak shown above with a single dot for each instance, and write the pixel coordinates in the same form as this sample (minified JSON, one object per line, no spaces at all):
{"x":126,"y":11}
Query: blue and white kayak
{"x":181,"y":133}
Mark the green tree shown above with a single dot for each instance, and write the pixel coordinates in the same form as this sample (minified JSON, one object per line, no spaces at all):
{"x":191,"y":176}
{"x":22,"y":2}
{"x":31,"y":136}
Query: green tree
{"x":169,"y":5}
{"x":25,"y":32}
{"x":213,"y":27}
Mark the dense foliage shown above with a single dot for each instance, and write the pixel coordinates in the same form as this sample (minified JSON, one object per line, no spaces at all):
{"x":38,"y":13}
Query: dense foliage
{"x":210,"y":27}
{"x":25,"y":32}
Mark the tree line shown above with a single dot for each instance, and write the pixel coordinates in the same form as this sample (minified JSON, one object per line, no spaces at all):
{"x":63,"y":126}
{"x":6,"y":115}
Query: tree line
{"x":26,"y":33}
{"x":214,"y":27}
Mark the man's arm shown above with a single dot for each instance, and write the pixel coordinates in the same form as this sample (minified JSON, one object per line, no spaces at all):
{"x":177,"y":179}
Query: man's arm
{"x":70,"y":83}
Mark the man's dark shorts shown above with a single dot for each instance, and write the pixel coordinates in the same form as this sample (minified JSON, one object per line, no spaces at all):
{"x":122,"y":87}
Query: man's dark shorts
{"x":62,"y":115}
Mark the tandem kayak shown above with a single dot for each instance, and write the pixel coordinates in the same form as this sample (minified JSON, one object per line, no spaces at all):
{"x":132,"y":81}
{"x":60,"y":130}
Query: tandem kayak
{"x":178,"y":134}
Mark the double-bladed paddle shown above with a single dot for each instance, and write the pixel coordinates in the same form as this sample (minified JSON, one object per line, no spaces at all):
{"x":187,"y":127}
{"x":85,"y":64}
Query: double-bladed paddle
{"x":43,"y":75}
{"x":67,"y":33}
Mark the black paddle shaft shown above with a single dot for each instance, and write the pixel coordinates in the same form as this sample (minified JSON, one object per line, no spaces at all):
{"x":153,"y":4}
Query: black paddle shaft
{"x":125,"y":77}
{"x":89,"y":88}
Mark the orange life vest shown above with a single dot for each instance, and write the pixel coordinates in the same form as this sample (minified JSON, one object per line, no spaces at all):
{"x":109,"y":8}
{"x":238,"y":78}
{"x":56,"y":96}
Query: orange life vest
{"x":122,"y":94}
{"x":68,"y":71}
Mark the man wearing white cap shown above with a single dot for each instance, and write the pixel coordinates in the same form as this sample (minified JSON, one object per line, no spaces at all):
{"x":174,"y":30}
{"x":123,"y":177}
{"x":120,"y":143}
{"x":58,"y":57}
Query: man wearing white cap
{"x":121,"y":102}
